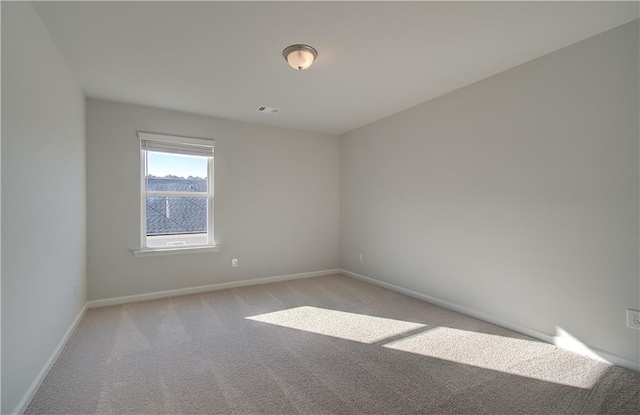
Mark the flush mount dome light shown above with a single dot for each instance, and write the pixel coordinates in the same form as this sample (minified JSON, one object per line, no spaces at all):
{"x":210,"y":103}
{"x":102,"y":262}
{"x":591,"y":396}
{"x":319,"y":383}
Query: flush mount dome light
{"x":300,"y":57}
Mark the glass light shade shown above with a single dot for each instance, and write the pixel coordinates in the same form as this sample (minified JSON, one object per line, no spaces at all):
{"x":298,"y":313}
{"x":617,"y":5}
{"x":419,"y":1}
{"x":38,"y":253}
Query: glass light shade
{"x":300,"y":57}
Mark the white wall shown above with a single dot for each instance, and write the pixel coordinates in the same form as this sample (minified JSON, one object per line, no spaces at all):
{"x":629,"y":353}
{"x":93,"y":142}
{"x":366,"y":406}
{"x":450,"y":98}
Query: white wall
{"x":516,"y":197}
{"x":43,"y":199}
{"x":276,"y":201}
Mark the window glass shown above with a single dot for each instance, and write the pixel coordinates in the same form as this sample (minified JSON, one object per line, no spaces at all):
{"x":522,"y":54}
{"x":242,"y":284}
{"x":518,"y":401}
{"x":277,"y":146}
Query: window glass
{"x":176,"y":173}
{"x":176,"y":199}
{"x":176,"y":215}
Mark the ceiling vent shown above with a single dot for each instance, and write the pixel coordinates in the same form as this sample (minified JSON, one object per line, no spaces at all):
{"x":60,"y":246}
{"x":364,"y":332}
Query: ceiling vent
{"x":269,"y":110}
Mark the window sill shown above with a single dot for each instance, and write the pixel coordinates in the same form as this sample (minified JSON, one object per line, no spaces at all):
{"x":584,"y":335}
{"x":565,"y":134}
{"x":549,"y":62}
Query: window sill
{"x":176,"y":251}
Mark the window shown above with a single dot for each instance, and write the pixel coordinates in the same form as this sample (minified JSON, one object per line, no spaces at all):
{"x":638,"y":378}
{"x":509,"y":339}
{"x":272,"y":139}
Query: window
{"x":177,"y":193}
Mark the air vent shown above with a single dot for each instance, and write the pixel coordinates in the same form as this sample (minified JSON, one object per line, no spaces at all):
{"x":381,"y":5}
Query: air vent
{"x":269,"y":110}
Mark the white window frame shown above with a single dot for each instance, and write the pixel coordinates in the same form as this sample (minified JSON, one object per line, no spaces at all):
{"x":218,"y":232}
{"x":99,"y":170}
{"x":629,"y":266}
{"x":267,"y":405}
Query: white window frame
{"x":210,"y":245}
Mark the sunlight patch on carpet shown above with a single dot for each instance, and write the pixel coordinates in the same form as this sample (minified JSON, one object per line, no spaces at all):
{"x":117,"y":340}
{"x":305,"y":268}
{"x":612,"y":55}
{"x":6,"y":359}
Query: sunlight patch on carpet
{"x":349,"y":326}
{"x":531,"y":359}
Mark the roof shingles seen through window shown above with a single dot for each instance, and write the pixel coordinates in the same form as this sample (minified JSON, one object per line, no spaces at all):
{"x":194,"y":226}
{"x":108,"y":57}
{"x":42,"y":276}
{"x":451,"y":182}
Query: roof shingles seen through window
{"x":176,"y":215}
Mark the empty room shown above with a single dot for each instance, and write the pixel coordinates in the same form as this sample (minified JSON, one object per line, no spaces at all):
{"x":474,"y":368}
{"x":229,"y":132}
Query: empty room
{"x":320,"y":207}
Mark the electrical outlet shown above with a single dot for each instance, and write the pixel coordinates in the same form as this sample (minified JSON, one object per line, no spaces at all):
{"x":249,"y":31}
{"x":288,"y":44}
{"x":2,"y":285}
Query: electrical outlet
{"x":234,"y":262}
{"x":360,"y":257}
{"x":633,"y":319}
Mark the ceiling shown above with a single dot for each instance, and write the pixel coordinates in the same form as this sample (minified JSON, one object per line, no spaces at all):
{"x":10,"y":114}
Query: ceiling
{"x":375,"y":59}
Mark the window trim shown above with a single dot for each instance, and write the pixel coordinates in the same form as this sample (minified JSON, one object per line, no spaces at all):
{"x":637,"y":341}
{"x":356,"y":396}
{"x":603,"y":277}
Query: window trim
{"x":210,"y":246}
{"x":175,"y":251}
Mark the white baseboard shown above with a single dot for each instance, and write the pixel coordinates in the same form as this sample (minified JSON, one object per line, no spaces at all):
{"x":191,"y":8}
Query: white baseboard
{"x":206,"y":288}
{"x":35,"y":385}
{"x":592,"y":352}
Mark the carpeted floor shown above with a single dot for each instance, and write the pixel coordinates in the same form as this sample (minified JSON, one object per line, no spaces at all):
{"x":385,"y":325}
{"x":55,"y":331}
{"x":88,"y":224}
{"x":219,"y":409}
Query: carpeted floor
{"x":315,"y":346}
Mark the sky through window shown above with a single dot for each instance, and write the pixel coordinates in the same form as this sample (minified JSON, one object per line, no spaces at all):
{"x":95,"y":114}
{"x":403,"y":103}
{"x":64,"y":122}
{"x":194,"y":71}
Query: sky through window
{"x":164,"y":164}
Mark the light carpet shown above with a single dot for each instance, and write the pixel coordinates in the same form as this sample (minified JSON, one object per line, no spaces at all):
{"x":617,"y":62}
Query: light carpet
{"x":325,"y":345}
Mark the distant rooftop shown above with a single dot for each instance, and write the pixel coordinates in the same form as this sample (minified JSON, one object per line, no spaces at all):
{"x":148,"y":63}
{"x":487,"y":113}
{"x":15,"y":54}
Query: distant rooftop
{"x":171,"y":215}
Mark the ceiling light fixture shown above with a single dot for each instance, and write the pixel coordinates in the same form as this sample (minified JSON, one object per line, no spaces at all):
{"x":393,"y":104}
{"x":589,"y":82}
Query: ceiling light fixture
{"x":300,"y":57}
